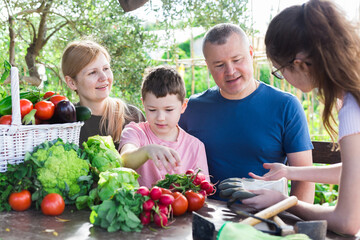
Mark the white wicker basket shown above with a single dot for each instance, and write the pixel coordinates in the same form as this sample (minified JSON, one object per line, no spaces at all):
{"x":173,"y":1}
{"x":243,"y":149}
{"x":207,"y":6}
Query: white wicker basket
{"x":17,"y":139}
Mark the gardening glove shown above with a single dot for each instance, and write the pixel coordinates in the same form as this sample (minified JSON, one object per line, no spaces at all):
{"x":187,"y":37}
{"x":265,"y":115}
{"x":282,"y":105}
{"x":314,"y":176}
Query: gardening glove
{"x":233,"y":189}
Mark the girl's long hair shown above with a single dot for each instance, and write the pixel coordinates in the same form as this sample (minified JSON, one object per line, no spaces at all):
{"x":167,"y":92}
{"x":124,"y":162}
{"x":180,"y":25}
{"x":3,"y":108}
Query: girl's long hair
{"x":319,"y":29}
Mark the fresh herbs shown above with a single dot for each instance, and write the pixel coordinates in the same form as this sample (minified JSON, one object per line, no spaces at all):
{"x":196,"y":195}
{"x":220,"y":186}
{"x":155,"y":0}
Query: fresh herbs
{"x":15,"y":179}
{"x":119,"y":213}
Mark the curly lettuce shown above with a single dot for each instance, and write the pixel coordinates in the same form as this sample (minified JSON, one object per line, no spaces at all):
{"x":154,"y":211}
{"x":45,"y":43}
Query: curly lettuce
{"x":102,"y":153}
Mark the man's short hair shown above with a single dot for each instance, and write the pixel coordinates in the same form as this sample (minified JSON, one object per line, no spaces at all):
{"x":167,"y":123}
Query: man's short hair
{"x":219,"y":34}
{"x":161,"y":81}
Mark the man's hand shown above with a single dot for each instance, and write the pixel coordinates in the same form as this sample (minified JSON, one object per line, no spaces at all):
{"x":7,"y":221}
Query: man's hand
{"x":233,"y":189}
{"x":264,"y":198}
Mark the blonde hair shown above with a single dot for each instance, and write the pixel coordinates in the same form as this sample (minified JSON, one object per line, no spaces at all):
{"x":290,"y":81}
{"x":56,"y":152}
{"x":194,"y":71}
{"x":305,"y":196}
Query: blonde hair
{"x":76,"y":56}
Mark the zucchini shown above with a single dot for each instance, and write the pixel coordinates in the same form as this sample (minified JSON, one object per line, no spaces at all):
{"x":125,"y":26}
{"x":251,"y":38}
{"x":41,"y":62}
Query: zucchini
{"x":5,"y":103}
{"x":82,"y":113}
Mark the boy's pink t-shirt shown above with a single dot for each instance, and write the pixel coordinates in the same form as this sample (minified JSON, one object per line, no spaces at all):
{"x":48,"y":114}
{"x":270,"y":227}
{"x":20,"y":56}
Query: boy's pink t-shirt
{"x":190,"y":149}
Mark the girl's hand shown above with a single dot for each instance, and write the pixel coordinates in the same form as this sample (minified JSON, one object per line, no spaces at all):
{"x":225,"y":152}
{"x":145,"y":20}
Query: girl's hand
{"x":277,"y":171}
{"x":265,"y":198}
{"x":163,"y":156}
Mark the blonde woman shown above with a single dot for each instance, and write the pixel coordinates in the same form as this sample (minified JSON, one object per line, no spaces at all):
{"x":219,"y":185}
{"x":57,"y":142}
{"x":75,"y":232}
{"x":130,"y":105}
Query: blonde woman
{"x":86,"y":68}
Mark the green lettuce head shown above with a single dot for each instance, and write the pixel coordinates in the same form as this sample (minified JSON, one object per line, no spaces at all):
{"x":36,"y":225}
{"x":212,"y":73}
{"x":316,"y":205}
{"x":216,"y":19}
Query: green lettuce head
{"x":102,"y":153}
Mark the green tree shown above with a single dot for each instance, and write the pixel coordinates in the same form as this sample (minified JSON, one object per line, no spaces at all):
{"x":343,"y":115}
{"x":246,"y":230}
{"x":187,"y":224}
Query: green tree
{"x":41,"y":29}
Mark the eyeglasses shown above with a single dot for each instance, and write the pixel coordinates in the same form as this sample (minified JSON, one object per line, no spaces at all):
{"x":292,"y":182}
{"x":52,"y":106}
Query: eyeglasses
{"x":276,"y":71}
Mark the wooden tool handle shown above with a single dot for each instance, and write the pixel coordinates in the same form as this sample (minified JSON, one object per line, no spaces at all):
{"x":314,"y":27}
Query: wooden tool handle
{"x":272,"y":210}
{"x":279,"y":221}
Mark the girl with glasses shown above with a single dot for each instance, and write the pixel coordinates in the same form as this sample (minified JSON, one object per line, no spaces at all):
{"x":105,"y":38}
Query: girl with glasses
{"x":324,"y":50}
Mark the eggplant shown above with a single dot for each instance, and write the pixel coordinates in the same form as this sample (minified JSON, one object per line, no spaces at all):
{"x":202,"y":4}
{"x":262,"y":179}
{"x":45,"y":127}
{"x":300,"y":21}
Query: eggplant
{"x":65,"y":112}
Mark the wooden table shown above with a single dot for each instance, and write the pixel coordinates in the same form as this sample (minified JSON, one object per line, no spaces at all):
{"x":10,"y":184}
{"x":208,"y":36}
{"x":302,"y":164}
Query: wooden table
{"x":32,"y":224}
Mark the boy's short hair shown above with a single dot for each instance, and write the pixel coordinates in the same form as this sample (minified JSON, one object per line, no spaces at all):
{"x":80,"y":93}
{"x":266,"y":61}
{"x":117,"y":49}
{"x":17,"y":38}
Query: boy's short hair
{"x":161,"y":81}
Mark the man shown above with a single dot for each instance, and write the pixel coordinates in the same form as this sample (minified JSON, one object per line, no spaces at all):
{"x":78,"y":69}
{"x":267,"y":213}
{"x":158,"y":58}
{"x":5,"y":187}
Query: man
{"x":243,"y":122}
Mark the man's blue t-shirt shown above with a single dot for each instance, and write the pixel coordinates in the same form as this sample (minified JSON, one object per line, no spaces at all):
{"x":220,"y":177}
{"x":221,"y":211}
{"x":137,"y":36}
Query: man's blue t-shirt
{"x":241,"y":135}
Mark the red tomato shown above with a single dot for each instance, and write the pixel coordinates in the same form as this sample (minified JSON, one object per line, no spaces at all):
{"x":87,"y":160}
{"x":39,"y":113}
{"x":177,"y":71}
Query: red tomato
{"x":45,"y":110}
{"x":6,"y":119}
{"x":180,"y":204}
{"x":53,"y":204}
{"x":20,"y":201}
{"x":25,"y":107}
{"x":57,"y":98}
{"x":196,"y":200}
{"x":49,"y":94}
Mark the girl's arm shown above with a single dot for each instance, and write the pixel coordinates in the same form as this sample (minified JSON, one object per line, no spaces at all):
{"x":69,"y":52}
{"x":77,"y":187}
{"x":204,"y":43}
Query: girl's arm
{"x":345,"y":216}
{"x":320,"y":174}
{"x":134,"y":157}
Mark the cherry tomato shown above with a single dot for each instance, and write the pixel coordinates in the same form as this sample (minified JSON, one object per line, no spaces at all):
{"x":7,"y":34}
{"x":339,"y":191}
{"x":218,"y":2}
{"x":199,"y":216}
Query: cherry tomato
{"x":196,"y":200}
{"x":6,"y":119}
{"x":57,"y":98}
{"x":20,"y":201}
{"x":180,"y":204}
{"x":45,"y":110}
{"x":49,"y":94}
{"x":53,"y":204}
{"x":25,"y":107}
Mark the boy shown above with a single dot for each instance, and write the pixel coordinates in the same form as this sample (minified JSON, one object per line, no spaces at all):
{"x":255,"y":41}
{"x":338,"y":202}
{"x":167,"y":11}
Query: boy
{"x":159,"y":143}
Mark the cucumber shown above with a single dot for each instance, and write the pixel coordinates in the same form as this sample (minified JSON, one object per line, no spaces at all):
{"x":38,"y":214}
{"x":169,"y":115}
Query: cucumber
{"x":82,"y":113}
{"x":5,"y":103}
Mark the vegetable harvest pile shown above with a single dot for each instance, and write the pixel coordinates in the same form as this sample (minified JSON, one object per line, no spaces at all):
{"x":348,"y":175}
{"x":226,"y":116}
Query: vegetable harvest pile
{"x":56,"y":174}
{"x":43,"y":108}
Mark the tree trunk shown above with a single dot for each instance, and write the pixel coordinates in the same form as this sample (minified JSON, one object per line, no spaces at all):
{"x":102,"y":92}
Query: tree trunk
{"x":12,"y":41}
{"x":30,"y":59}
{"x":39,"y":40}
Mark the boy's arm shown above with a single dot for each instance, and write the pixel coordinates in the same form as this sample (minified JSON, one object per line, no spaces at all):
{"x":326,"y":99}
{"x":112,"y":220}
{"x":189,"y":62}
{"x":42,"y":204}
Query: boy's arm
{"x":133,"y":157}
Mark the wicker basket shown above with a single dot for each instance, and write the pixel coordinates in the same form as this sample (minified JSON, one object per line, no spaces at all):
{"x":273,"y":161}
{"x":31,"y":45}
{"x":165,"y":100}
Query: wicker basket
{"x":17,"y":139}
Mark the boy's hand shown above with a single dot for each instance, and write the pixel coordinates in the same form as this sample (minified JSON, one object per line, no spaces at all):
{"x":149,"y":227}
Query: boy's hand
{"x":162,"y":155}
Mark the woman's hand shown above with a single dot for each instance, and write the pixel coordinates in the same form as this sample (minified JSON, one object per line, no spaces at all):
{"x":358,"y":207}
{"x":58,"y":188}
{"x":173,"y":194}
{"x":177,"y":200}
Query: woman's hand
{"x":265,"y":198}
{"x":277,"y":171}
{"x":163,"y":156}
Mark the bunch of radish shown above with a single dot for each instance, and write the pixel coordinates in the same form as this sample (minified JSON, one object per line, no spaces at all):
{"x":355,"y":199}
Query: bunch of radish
{"x":199,"y":180}
{"x":157,"y":206}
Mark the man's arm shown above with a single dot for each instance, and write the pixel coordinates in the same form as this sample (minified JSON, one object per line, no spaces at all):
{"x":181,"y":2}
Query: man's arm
{"x":304,"y":191}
